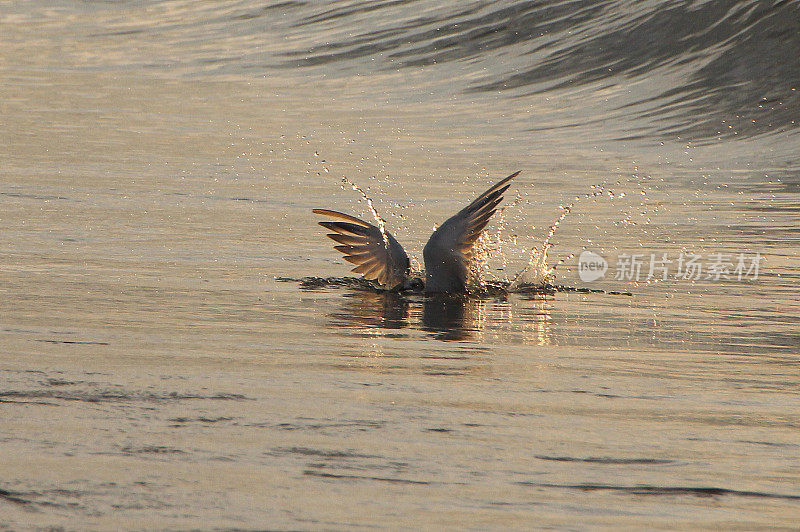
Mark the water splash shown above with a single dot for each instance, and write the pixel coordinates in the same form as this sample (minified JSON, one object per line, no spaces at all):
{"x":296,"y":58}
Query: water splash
{"x":488,"y":246}
{"x":380,"y":221}
{"x":537,"y":272}
{"x":484,"y":249}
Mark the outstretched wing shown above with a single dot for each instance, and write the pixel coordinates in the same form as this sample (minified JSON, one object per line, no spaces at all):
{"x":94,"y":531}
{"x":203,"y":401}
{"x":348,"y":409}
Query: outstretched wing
{"x":377,"y":258}
{"x":449,"y":250}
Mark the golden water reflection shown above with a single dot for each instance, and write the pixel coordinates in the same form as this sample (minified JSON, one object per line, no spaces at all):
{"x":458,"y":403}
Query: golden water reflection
{"x":445,"y":317}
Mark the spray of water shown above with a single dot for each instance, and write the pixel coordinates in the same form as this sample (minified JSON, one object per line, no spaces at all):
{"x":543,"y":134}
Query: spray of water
{"x":380,"y":221}
{"x":488,"y":246}
{"x":537,"y":272}
{"x":482,"y":251}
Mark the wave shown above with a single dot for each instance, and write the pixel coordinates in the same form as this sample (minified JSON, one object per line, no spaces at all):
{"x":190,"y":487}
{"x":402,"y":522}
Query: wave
{"x":690,"y":69}
{"x":710,"y":70}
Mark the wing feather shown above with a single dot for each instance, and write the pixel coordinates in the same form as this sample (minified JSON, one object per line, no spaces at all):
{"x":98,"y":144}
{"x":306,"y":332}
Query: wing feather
{"x":346,"y":240}
{"x":449,"y":249}
{"x":358,"y":259}
{"x":347,"y":228}
{"x":377,"y":257}
{"x":342,"y":216}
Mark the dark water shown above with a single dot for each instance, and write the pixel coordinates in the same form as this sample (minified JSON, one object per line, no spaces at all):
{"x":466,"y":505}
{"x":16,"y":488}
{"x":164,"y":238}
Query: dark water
{"x":160,"y":161}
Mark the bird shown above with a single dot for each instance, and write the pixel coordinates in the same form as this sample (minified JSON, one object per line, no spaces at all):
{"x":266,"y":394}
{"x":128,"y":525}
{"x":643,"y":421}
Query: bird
{"x":379,"y":257}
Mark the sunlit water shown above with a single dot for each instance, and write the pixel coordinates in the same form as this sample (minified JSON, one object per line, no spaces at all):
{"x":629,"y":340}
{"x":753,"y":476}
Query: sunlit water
{"x":160,"y":161}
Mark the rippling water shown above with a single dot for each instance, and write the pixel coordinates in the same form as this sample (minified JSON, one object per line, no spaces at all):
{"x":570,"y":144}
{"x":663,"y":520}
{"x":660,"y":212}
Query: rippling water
{"x":160,"y":163}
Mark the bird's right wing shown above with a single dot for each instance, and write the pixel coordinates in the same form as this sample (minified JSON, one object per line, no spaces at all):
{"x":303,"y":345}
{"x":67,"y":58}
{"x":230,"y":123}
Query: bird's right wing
{"x":450,"y":248}
{"x":376,"y":254}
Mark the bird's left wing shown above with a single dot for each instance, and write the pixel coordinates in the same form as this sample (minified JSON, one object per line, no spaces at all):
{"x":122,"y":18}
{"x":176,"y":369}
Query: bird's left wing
{"x":376,"y":254}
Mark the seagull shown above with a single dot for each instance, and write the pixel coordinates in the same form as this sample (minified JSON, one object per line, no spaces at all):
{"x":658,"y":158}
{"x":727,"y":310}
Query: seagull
{"x":380,"y":258}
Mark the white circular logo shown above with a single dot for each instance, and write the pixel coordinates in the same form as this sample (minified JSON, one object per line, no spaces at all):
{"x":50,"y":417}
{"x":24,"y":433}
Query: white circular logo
{"x":591,"y":266}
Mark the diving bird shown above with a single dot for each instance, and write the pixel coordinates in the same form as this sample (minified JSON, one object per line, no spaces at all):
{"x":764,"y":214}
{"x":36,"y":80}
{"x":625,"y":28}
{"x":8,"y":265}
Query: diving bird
{"x":380,"y":258}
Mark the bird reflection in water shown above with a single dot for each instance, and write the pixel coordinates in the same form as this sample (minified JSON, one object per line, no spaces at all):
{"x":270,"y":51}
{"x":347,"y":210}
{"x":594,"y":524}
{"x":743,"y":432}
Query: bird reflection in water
{"x":453,"y":317}
{"x":386,"y":310}
{"x":448,"y":317}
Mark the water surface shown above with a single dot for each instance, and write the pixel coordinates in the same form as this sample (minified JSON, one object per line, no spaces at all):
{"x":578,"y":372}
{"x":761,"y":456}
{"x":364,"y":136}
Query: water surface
{"x":160,"y":164}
